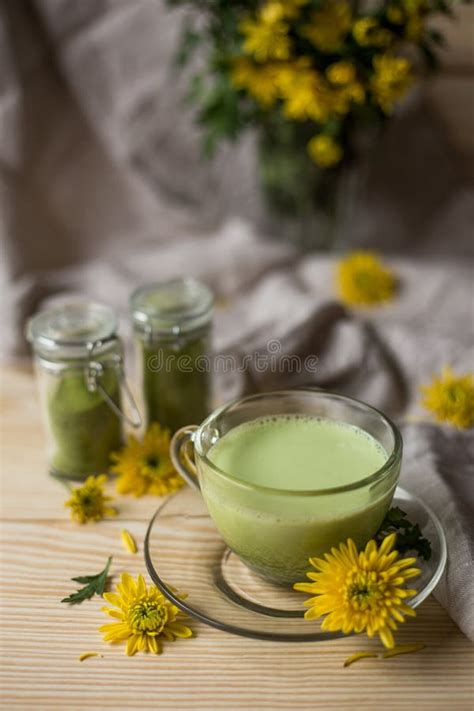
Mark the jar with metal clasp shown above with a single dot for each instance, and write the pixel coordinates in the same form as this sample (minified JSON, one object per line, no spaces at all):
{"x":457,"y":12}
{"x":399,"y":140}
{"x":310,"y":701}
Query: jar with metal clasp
{"x":80,"y":372}
{"x":172,"y":323}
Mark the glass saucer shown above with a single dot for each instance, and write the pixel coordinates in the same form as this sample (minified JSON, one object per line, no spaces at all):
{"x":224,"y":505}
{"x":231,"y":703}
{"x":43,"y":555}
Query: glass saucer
{"x":184,"y":552}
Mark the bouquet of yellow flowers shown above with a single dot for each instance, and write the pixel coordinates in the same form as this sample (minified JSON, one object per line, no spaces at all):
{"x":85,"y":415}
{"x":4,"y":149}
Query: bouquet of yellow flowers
{"x":309,"y":74}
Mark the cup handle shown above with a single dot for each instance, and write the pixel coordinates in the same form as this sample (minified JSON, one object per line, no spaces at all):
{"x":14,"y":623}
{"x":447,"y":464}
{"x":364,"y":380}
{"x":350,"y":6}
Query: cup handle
{"x":182,"y":455}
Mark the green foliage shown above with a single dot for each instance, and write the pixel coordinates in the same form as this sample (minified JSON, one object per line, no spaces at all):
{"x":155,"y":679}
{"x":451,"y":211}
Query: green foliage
{"x":219,"y":112}
{"x":190,"y":41}
{"x":93,"y":585}
{"x":409,"y":536}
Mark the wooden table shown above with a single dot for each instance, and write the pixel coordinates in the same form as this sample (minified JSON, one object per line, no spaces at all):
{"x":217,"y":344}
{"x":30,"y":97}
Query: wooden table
{"x":41,"y":639}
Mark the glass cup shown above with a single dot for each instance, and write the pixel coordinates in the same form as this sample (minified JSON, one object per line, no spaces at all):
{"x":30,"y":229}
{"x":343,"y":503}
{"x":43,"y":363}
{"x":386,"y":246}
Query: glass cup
{"x":275,"y":531}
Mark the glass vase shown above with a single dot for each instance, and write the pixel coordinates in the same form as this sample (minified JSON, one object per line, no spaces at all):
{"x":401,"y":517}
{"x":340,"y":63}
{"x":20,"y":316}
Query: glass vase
{"x":312,"y":207}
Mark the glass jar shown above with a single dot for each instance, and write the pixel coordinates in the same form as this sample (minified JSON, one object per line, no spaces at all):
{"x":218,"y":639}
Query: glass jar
{"x":172,"y":324}
{"x":79,"y":366}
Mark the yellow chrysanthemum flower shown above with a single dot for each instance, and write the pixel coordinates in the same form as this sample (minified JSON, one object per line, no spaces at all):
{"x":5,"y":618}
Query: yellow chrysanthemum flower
{"x":143,"y":617}
{"x":265,"y":39}
{"x":346,"y":89}
{"x":305,"y":94}
{"x":341,"y":73}
{"x":391,"y":80}
{"x":259,"y":80}
{"x":414,"y":6}
{"x":395,"y":14}
{"x":89,"y":502}
{"x":329,"y":25}
{"x":361,"y":591}
{"x":363,"y":279}
{"x":275,"y":10}
{"x":145,"y":467}
{"x":407,"y":11}
{"x":352,"y":93}
{"x":325,"y":151}
{"x":272,"y":12}
{"x":286,"y":73}
{"x":368,"y":33}
{"x":450,"y":398}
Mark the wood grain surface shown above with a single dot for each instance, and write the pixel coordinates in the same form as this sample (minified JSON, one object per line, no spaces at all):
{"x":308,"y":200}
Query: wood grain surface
{"x":41,"y":639}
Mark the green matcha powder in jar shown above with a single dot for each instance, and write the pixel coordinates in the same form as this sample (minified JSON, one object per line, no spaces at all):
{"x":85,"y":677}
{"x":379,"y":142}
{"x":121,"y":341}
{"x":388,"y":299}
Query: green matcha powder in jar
{"x":172,"y":324}
{"x":79,"y":365}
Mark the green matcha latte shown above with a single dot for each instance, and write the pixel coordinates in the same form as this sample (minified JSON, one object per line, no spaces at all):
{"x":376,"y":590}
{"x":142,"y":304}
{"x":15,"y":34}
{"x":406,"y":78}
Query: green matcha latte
{"x":276,"y":506}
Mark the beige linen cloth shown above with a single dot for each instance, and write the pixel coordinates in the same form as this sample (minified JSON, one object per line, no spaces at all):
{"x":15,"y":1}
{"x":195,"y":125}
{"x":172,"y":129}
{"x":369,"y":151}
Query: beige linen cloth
{"x":102,"y":188}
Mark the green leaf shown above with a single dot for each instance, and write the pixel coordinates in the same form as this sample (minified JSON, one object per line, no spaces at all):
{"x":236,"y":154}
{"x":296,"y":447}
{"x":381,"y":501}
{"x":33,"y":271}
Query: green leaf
{"x":395,"y":515}
{"x":196,"y":88}
{"x":436,"y":37}
{"x":409,"y":536}
{"x":445,"y":7}
{"x":430,"y":57}
{"x":219,"y":114}
{"x":94,"y":585}
{"x":190,"y":41}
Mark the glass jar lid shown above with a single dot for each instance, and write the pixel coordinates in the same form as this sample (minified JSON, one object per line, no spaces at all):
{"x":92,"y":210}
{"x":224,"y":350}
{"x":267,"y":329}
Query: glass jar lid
{"x":71,"y":330}
{"x":172,"y":307}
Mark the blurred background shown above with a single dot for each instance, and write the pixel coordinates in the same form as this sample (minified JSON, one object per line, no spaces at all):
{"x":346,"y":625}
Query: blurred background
{"x":104,"y":184}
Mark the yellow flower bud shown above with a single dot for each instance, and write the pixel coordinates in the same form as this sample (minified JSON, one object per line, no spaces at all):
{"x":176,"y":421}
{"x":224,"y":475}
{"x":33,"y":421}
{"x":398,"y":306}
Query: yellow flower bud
{"x":368,"y":33}
{"x":341,"y":73}
{"x":325,"y":151}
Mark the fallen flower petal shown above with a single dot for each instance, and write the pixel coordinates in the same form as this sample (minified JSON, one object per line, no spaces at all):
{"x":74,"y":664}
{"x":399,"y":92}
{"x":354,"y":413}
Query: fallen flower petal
{"x":402,"y":649}
{"x":358,"y":655}
{"x":86,"y":655}
{"x":128,"y":541}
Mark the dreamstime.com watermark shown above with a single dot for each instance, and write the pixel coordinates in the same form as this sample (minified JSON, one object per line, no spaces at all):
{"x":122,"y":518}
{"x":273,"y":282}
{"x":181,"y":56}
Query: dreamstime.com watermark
{"x":269,"y":360}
